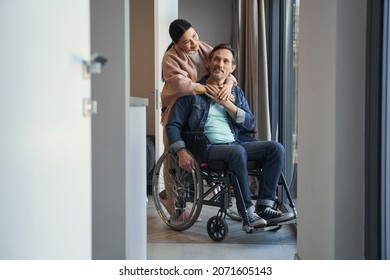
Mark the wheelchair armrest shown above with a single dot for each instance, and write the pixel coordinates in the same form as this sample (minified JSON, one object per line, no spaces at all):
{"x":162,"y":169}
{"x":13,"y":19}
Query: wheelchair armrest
{"x":196,"y":143}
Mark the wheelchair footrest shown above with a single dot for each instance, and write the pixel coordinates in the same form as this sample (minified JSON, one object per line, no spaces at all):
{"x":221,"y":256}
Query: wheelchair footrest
{"x":273,"y":227}
{"x":292,"y":221}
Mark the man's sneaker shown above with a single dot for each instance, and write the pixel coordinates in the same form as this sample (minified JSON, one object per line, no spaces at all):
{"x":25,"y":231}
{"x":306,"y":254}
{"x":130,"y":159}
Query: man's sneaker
{"x":254,"y":219}
{"x":273,"y":216}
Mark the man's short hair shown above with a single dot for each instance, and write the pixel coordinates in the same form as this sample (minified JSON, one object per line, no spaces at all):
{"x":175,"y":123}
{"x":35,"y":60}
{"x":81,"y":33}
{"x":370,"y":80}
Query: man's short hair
{"x":226,"y":47}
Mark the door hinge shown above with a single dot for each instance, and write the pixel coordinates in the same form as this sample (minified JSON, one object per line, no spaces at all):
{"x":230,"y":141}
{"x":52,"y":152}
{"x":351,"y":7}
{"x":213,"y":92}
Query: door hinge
{"x":89,"y":107}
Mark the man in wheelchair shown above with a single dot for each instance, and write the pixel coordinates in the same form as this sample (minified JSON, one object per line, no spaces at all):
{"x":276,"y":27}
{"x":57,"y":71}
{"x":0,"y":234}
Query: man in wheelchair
{"x":224,"y":123}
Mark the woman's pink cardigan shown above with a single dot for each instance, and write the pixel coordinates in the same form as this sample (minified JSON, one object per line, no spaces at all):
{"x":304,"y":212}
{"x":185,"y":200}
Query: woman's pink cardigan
{"x":180,"y":76}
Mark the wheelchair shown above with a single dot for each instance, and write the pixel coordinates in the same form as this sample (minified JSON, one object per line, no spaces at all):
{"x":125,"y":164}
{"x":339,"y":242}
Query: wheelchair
{"x":210,"y":183}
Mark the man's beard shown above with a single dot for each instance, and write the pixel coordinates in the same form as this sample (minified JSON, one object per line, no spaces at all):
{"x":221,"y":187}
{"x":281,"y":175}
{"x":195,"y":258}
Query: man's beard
{"x":218,"y":75}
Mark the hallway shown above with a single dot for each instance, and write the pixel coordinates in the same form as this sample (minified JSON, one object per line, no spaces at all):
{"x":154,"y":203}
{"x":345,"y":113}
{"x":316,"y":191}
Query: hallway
{"x":195,"y":244}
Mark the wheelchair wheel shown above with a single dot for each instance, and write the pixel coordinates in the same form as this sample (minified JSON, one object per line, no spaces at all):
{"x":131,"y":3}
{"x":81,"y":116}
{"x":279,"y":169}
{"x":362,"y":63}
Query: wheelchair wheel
{"x":217,"y":228}
{"x":185,"y":188}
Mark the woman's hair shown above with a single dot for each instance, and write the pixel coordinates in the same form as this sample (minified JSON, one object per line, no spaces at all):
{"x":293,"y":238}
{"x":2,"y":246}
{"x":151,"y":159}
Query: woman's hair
{"x":176,"y":29}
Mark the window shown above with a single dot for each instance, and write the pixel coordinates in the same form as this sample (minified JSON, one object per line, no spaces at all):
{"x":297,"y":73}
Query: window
{"x":385,"y":139}
{"x":283,"y":46}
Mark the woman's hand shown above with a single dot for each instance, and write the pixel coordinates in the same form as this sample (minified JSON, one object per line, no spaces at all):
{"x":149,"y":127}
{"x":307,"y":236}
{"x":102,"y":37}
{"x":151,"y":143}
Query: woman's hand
{"x":230,"y":107}
{"x":200,"y":89}
{"x":223,"y":92}
{"x":213,"y":94}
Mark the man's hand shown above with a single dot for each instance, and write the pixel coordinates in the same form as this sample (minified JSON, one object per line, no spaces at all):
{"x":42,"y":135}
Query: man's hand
{"x":213,"y":94}
{"x":223,"y":92}
{"x":230,"y":107}
{"x":186,"y":161}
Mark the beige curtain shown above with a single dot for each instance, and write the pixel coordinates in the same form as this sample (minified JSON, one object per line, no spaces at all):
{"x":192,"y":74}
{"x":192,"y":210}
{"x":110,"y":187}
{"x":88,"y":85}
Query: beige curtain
{"x":249,"y":39}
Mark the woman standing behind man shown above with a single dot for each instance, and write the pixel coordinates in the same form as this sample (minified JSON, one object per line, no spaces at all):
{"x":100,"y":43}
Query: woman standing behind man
{"x":183,"y":66}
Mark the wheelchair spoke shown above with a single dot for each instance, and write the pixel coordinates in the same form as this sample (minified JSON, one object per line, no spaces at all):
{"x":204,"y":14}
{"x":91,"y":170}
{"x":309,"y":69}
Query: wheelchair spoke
{"x":183,"y":188}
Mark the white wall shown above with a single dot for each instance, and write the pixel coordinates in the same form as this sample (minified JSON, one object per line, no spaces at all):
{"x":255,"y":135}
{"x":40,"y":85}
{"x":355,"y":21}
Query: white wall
{"x":331,"y":93}
{"x":45,"y":163}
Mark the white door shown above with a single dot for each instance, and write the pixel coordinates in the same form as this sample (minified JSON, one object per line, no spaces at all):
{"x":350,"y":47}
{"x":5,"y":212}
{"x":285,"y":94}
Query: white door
{"x":165,"y":11}
{"x":45,"y":143}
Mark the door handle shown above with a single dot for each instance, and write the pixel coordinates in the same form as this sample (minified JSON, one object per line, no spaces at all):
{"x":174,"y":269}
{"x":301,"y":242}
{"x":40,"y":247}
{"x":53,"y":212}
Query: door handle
{"x":94,"y":66}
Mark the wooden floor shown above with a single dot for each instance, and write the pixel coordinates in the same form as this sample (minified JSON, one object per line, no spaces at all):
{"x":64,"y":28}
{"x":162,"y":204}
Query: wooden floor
{"x":194,"y":243}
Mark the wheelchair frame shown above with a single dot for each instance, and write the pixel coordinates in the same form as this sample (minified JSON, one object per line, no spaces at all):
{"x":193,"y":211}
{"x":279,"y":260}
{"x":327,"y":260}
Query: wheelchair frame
{"x":210,"y":183}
